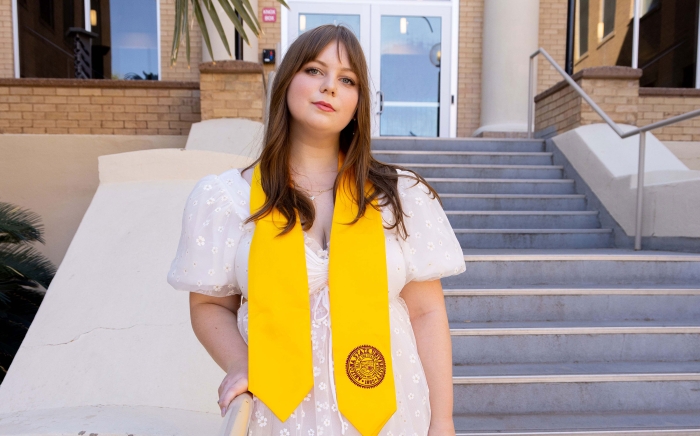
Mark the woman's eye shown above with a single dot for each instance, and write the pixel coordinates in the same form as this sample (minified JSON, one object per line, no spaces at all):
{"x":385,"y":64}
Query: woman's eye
{"x":308,"y":70}
{"x":349,"y":81}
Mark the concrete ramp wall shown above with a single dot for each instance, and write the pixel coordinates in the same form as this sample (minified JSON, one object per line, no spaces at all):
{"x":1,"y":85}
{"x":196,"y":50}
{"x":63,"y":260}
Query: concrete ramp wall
{"x":608,"y":164}
{"x":111,"y":350}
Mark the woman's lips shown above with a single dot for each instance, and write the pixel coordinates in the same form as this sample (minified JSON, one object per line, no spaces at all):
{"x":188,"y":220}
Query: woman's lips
{"x":324,"y":107}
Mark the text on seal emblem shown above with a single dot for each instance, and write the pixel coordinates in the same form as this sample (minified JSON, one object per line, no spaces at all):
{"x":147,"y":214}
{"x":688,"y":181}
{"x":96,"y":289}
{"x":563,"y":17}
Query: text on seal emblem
{"x":365,"y":366}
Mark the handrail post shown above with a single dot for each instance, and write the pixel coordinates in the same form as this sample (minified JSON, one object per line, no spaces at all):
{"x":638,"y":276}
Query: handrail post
{"x":640,"y":191}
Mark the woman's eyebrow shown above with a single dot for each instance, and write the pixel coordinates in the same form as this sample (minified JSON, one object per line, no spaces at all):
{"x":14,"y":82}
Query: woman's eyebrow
{"x":325,"y":65}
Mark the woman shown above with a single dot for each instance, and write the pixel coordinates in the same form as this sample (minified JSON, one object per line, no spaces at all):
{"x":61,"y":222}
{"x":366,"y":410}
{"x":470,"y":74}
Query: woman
{"x":318,"y":135}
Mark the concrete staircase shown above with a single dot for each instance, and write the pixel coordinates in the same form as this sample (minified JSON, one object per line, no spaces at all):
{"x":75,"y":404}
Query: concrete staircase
{"x":555,"y":331}
{"x":501,"y":193}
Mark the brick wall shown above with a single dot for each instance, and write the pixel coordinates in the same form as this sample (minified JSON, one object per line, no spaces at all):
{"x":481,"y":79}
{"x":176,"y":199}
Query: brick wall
{"x":180,"y":72}
{"x":74,"y":106}
{"x":558,"y":112}
{"x":471,"y":24}
{"x":273,"y":32}
{"x":552,"y":37}
{"x":7,"y":60}
{"x":231,"y":89}
{"x":607,"y":50}
{"x":614,"y":89}
{"x":657,"y":104}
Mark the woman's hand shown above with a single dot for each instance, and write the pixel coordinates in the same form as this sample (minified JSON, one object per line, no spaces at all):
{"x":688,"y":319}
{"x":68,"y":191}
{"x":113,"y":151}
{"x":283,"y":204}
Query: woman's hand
{"x":234,"y":384}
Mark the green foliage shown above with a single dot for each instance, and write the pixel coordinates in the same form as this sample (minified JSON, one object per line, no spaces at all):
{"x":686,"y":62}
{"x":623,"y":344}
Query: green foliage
{"x":243,"y":7}
{"x":23,"y":272}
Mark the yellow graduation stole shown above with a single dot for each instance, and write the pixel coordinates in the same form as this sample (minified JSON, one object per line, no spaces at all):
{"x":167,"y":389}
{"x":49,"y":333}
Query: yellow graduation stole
{"x":280,"y":364}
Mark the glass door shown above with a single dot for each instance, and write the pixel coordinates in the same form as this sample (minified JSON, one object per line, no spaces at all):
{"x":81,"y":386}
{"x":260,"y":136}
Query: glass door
{"x":404,"y":43}
{"x":304,"y":16}
{"x":407,"y":63}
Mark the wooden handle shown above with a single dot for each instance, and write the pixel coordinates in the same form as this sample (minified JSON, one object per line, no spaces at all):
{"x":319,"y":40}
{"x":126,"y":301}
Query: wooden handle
{"x":237,"y":416}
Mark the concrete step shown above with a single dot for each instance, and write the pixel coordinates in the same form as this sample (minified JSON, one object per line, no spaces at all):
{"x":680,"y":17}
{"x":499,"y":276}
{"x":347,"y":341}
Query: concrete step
{"x":566,"y":342}
{"x":457,"y":144}
{"x":611,"y":267}
{"x":573,"y":304}
{"x":461,"y":185}
{"x":488,"y":171}
{"x":463,"y":157}
{"x":649,"y":423}
{"x":490,"y":202}
{"x":670,"y":388}
{"x":584,"y":219}
{"x":534,"y":238}
{"x":574,"y":372}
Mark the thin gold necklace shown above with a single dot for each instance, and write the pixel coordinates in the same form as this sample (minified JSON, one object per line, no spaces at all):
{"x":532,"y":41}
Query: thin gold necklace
{"x":312,"y":197}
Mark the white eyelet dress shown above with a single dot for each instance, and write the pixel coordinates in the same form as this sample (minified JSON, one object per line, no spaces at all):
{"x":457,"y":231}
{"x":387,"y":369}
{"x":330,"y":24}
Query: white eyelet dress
{"x":212,"y":259}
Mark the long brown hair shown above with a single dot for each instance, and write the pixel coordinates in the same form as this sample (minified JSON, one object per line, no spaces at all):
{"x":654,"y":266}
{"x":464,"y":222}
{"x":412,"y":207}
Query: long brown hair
{"x":355,"y":139}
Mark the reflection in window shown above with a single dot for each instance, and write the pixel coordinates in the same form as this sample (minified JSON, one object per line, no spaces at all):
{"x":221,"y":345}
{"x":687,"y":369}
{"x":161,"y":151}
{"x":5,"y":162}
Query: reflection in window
{"x":311,"y":21}
{"x":667,"y":44}
{"x":46,"y":12}
{"x":583,"y":8}
{"x":127,"y":42}
{"x":648,"y":5}
{"x":607,"y":23}
{"x":410,"y":75}
{"x":45,"y":43}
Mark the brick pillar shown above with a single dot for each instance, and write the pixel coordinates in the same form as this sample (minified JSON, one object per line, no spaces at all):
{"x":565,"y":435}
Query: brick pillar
{"x":231,"y":89}
{"x":614,"y":89}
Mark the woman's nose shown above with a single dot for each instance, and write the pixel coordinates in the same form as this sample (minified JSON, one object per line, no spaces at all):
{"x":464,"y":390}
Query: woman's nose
{"x":329,"y":85}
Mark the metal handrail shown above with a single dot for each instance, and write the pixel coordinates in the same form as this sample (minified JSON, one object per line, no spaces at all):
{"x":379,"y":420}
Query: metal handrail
{"x":641,"y":131}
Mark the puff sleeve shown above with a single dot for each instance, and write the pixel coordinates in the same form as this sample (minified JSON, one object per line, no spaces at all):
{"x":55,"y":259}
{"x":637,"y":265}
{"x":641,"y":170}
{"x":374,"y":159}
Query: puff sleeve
{"x":431,"y":250}
{"x":212,"y":226}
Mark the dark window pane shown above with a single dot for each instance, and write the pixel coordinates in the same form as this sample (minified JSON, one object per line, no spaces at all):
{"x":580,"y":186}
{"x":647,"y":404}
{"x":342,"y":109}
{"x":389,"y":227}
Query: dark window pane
{"x":648,"y":5}
{"x":45,"y":49}
{"x":583,"y":27}
{"x":608,"y":16}
{"x":46,"y":11}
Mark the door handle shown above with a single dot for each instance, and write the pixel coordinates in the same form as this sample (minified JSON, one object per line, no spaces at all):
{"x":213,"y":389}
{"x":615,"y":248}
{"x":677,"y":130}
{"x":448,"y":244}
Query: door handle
{"x":380,"y":94}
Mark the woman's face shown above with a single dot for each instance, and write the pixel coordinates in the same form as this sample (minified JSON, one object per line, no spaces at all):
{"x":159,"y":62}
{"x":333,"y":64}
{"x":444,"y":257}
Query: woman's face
{"x":324,"y":80}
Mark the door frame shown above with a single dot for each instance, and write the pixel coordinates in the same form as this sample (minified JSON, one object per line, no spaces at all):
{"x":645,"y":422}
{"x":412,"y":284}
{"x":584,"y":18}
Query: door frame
{"x":417,"y":10}
{"x":340,"y":6}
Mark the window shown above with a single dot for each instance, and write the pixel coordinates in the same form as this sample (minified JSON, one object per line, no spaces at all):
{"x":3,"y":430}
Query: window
{"x":125,"y":46}
{"x":644,"y":6}
{"x":607,"y":18}
{"x":46,"y":12}
{"x":45,"y":44}
{"x":648,"y":5}
{"x":582,"y":7}
{"x":127,"y":42}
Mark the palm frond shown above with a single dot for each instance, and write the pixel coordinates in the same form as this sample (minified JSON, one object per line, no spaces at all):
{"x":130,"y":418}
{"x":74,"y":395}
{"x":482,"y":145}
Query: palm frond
{"x":22,"y":271}
{"x":25,"y":262}
{"x":19,"y":225}
{"x":209,"y":5}
{"x":226,"y":5}
{"x":202,"y":27}
{"x":243,"y":7}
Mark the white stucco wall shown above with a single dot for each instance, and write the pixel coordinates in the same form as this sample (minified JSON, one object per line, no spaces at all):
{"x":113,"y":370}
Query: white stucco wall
{"x":687,"y":151}
{"x":111,"y":350}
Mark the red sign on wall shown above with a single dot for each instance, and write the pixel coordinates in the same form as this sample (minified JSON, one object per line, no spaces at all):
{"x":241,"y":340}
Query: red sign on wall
{"x":269,"y":15}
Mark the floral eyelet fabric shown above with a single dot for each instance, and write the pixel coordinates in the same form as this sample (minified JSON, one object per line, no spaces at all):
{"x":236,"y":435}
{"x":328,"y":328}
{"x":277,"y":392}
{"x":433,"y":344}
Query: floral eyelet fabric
{"x":212,"y":259}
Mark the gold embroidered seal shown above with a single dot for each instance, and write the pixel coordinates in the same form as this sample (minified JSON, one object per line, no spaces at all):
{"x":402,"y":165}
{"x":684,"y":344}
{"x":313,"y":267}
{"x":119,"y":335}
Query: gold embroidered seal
{"x":365,"y":366}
